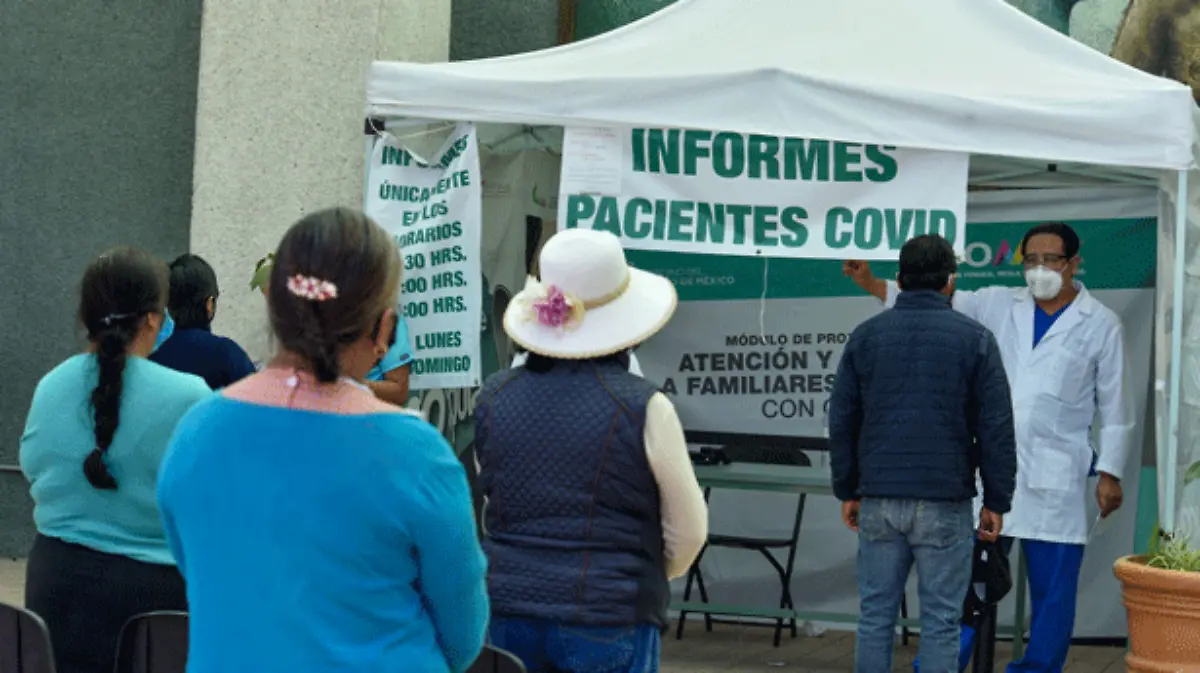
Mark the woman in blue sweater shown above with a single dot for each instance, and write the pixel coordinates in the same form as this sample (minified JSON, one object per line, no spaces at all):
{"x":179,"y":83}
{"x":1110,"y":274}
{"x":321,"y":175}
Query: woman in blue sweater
{"x":95,"y":437}
{"x":319,"y":528}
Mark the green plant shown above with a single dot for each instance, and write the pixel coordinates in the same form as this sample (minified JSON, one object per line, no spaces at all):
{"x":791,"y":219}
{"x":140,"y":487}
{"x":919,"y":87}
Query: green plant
{"x":262,"y":271}
{"x":1175,"y":553}
{"x":1192,"y":474}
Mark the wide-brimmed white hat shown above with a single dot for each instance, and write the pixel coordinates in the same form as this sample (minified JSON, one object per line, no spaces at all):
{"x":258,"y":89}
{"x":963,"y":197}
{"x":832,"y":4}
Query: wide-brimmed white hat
{"x":589,"y":302}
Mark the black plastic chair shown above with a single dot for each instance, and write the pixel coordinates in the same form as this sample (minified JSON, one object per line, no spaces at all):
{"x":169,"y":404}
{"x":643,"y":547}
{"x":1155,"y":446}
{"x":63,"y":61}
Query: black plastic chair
{"x":24,"y":642}
{"x":496,"y":660}
{"x":794,"y":456}
{"x":154,"y":642}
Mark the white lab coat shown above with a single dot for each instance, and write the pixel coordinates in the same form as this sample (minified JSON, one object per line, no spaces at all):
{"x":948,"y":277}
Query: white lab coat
{"x":1072,"y":380}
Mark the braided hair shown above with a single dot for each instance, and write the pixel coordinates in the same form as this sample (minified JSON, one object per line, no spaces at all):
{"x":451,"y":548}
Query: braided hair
{"x":119,"y":290}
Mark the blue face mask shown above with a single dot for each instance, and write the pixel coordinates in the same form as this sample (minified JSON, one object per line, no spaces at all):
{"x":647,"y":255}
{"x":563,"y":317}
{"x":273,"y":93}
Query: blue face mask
{"x":164,"y":332}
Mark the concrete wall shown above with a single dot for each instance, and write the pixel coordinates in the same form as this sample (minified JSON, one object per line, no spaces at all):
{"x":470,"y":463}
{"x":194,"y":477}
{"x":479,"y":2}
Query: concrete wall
{"x":279,"y":124}
{"x":124,"y":122}
{"x":97,"y":106}
{"x":1095,"y":22}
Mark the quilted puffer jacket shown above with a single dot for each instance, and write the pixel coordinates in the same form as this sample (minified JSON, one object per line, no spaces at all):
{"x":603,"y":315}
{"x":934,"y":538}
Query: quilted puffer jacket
{"x":921,"y":402}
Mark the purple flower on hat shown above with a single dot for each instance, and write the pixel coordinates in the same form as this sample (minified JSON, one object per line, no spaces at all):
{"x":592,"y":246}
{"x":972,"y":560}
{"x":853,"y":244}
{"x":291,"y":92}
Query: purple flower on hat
{"x":555,"y":310}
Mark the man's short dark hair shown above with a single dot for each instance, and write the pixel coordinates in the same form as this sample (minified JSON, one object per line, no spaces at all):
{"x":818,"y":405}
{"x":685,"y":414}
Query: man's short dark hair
{"x":1070,"y":239}
{"x":926,"y":263}
{"x":193,"y":282}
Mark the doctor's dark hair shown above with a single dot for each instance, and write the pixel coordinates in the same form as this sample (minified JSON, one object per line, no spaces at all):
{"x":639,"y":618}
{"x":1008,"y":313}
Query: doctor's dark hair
{"x":344,"y":247}
{"x":193,"y":282}
{"x":1070,"y":239}
{"x":120,"y":288}
{"x":926,"y":263}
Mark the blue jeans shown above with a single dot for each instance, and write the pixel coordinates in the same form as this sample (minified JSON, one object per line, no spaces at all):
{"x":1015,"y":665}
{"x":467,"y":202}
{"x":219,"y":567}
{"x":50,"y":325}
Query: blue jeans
{"x":892,"y":534}
{"x":550,"y":647}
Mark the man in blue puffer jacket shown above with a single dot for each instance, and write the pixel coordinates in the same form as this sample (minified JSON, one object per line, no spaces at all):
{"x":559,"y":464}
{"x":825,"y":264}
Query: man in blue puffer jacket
{"x":921,"y":402}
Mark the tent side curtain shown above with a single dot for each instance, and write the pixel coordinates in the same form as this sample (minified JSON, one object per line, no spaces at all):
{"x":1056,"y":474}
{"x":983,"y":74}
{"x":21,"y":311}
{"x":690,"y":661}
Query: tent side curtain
{"x":1179,"y":497}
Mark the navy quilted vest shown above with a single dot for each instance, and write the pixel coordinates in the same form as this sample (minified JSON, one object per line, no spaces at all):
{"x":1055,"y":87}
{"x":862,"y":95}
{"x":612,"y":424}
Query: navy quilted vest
{"x":572,"y":522}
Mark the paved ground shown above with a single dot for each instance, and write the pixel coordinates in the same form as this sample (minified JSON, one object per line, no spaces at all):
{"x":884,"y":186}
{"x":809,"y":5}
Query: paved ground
{"x":732,"y":648}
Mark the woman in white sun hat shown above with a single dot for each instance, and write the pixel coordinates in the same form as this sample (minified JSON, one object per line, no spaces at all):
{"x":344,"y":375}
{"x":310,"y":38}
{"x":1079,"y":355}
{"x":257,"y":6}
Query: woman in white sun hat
{"x":591,"y":502}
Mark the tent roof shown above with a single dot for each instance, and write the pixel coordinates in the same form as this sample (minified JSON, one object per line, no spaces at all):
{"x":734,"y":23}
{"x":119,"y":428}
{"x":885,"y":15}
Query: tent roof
{"x":976,"y":76}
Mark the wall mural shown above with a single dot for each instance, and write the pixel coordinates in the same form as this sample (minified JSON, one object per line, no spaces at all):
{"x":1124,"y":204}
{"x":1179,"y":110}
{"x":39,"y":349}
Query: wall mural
{"x":1053,"y":13}
{"x":1162,"y":37}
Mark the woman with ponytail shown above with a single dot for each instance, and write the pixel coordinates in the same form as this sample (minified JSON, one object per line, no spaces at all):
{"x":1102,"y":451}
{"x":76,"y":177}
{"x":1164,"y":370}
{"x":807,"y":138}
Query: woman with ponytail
{"x":95,"y":437}
{"x":319,"y":528}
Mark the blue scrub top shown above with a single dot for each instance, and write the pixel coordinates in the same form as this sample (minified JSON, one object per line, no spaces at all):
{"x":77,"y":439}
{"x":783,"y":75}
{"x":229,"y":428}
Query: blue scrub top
{"x":1042,"y":322}
{"x":399,"y":355}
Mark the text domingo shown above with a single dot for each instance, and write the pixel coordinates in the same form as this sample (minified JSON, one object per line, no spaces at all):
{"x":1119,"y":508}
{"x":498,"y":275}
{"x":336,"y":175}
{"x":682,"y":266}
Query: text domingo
{"x":431,"y":210}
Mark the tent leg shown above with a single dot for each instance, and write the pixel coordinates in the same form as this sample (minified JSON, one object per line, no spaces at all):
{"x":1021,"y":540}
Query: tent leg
{"x":1176,"y":373}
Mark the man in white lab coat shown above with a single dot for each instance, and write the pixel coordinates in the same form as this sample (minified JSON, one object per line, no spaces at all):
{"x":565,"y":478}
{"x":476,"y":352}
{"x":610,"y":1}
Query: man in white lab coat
{"x":1064,"y":353}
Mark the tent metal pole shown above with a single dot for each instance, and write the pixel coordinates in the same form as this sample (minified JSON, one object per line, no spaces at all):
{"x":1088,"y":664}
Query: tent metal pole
{"x":1176,"y":374}
{"x":1004,"y":175}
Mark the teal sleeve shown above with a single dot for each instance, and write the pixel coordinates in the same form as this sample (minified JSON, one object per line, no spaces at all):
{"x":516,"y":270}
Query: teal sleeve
{"x":176,"y":452}
{"x":451,"y":564}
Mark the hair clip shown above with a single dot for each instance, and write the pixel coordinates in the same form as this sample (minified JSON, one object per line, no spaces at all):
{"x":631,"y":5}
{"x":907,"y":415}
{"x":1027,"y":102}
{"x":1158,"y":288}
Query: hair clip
{"x":312,"y":289}
{"x":111,"y":318}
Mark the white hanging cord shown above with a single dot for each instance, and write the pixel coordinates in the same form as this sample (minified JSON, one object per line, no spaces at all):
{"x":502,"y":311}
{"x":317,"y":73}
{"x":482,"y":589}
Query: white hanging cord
{"x":417,"y":134}
{"x":762,"y":301}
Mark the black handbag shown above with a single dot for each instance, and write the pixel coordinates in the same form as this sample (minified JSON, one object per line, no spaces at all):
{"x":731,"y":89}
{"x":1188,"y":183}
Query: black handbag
{"x":991,"y":580}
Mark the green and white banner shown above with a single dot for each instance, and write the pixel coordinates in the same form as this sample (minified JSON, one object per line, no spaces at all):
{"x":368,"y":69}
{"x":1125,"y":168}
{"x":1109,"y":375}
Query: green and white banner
{"x":734,"y":363}
{"x":728,"y":378}
{"x":519,"y":190}
{"x":433,"y":210}
{"x":721,"y":193}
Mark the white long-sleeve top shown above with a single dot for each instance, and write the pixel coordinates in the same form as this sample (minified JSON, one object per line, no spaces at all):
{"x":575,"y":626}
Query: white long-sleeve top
{"x":684,"y":513}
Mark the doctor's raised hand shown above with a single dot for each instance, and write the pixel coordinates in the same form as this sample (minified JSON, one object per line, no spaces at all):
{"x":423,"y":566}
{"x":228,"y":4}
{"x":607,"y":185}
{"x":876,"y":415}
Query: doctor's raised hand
{"x":859,"y":271}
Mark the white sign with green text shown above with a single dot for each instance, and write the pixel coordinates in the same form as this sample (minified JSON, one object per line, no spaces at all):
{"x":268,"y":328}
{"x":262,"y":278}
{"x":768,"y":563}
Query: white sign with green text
{"x":724,"y":193}
{"x":434,"y":210}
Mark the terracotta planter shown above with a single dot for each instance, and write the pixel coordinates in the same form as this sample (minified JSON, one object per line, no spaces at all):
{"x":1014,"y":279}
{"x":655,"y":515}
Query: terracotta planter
{"x":1162,"y":610}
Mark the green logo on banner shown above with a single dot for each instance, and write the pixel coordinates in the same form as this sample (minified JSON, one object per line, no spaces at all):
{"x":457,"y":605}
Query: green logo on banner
{"x":1117,"y":254}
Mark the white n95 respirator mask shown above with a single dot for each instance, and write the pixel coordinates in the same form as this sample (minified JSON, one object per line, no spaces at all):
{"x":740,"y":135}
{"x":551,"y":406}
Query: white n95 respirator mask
{"x":1043,"y":283}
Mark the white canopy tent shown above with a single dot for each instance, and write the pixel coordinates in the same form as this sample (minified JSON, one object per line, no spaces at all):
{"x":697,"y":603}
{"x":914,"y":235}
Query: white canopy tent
{"x":1036,"y":108}
{"x":977,"y":77}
